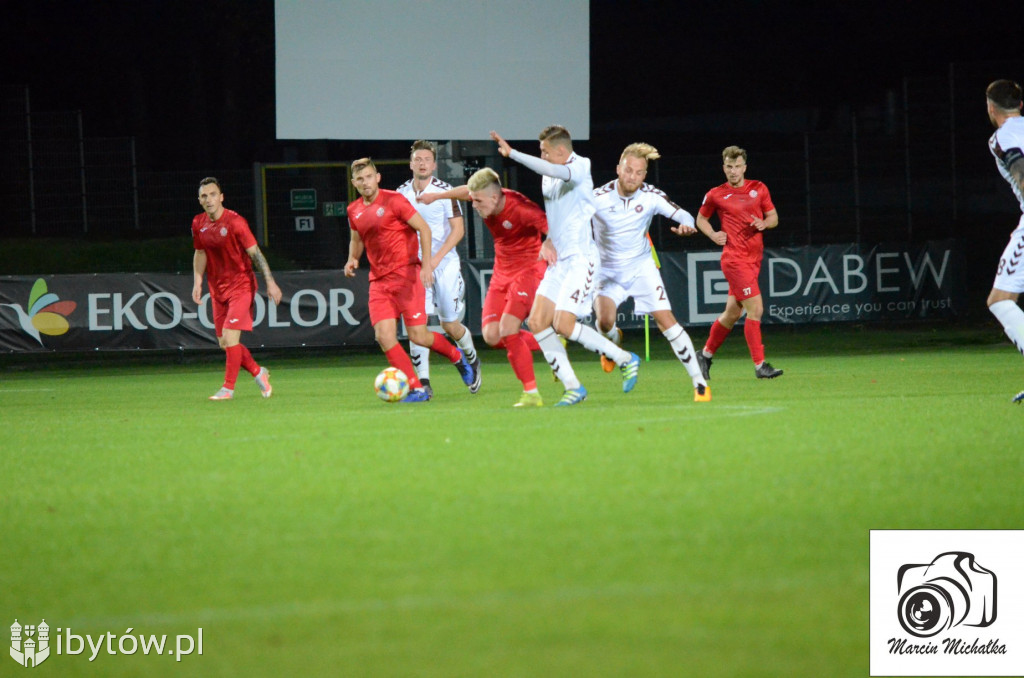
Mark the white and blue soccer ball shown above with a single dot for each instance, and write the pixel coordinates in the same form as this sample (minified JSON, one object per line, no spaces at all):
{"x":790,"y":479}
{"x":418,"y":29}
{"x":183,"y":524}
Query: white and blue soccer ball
{"x":391,"y":385}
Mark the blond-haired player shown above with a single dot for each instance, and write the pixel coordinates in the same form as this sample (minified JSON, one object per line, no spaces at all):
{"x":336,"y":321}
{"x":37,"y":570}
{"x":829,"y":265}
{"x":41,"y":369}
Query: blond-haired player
{"x":625,"y":208}
{"x":447,"y":296}
{"x":566,"y":292}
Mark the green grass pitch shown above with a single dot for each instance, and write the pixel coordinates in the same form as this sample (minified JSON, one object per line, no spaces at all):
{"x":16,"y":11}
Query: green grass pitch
{"x":322,"y":532}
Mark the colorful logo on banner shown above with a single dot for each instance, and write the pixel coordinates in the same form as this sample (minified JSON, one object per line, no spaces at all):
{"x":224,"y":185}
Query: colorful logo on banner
{"x":46,"y":314}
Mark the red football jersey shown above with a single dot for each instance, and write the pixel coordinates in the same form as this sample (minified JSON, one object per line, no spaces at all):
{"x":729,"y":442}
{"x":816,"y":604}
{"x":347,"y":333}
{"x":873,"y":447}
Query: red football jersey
{"x":228,"y":267}
{"x":390,"y":242}
{"x":736,"y":208}
{"x":517,"y":233}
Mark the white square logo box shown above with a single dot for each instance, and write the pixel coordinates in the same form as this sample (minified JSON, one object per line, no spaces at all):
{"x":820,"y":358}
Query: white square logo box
{"x":946,"y":602}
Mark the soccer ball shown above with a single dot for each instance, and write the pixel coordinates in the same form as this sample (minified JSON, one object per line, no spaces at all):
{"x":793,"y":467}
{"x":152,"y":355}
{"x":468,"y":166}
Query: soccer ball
{"x":391,"y":385}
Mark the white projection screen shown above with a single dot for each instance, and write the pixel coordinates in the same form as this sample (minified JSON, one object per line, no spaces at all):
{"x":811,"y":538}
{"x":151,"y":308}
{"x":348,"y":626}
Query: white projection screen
{"x":434,"y":69}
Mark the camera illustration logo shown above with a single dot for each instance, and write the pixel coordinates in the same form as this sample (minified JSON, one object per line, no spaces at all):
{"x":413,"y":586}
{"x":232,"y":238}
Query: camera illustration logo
{"x":950,"y":591}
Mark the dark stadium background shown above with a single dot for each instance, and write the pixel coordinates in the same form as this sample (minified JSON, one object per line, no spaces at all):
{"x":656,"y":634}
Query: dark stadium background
{"x":893,"y":89}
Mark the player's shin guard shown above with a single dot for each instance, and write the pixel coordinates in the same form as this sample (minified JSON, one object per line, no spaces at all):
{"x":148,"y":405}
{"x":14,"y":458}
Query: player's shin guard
{"x":521,"y":359}
{"x":248,"y":363}
{"x":592,"y":340}
{"x":420,"y":357}
{"x":399,"y":359}
{"x":233,"y":361}
{"x":752,"y":333}
{"x":557,"y":358}
{"x":715,"y":338}
{"x":1010,"y":316}
{"x":683,"y":347}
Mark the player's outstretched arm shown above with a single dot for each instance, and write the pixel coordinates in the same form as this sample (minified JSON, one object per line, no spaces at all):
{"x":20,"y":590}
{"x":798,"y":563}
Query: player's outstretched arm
{"x":456,"y":193}
{"x":259,"y":262}
{"x":503,"y":146}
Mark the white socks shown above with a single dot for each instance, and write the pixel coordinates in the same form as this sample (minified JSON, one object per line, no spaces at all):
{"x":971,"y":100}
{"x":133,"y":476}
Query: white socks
{"x":557,"y":358}
{"x":1012,"y":319}
{"x":420,"y":356}
{"x":683,"y":346}
{"x":466,"y":344}
{"x":592,"y":340}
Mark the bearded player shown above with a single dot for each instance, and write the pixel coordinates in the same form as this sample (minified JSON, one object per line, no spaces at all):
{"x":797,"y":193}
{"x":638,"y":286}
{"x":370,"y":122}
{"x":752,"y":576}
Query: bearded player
{"x":1003,"y":99}
{"x":385,"y":225}
{"x":516,"y":223}
{"x":226,"y":252}
{"x":625,"y":208}
{"x":745,"y":210}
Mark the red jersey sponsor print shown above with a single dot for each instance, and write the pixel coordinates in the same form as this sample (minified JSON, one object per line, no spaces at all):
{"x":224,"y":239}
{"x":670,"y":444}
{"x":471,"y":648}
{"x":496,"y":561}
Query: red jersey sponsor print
{"x":517,"y":233}
{"x":389,"y":240}
{"x":735,"y":207}
{"x":228,"y":267}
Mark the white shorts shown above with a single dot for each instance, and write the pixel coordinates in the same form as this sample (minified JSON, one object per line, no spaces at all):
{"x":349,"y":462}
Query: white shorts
{"x":570,"y":283}
{"x":1010,"y":274}
{"x":447,"y":296}
{"x":643,"y":283}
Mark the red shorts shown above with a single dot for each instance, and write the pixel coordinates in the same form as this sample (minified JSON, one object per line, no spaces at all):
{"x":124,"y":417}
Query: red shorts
{"x":511,"y":294}
{"x":235,"y":313}
{"x":742,"y":278}
{"x":399,"y":295}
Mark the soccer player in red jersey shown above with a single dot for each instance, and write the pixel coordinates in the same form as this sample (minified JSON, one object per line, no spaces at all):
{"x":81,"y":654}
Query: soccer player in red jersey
{"x":745,"y":210}
{"x":385,"y":225}
{"x":226,"y":252}
{"x":516,"y":223}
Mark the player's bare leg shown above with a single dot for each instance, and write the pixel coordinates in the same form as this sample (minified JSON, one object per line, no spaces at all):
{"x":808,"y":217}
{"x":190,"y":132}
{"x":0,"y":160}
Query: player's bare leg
{"x":604,"y":318}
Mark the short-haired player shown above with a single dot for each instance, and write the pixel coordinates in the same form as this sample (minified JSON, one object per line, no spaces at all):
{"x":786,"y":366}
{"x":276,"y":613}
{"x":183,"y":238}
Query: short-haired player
{"x":385,"y":225}
{"x":745,"y":210}
{"x":516,"y":224}
{"x":226,"y":252}
{"x":447,"y":296}
{"x":1003,"y":99}
{"x":566,"y":290}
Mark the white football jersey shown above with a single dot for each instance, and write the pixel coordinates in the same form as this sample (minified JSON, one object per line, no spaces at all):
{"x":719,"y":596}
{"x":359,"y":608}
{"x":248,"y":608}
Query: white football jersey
{"x":436,"y":214}
{"x":1007,"y":146}
{"x":568,"y":202}
{"x":621,"y":222}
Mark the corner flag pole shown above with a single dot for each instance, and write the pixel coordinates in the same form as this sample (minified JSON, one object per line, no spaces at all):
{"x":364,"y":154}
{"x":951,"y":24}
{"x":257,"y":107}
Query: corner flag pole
{"x":647,"y":317}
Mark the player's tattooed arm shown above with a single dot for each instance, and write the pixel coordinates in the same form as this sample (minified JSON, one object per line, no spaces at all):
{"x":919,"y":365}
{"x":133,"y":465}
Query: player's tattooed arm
{"x":1014,"y":159}
{"x":259,"y":262}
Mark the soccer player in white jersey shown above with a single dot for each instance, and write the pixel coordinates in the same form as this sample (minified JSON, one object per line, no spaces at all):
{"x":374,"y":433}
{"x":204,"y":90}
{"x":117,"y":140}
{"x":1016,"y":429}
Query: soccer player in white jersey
{"x":567,"y":289}
{"x":447,"y":296}
{"x":625,"y":208}
{"x":1007,"y":146}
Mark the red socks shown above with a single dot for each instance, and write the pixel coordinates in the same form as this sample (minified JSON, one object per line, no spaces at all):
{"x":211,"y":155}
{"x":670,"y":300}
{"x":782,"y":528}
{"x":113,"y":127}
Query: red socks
{"x":718,"y":334}
{"x":398,"y":358}
{"x":752,"y":333}
{"x":444,"y":347}
{"x":233,"y":362}
{"x":521,"y":359}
